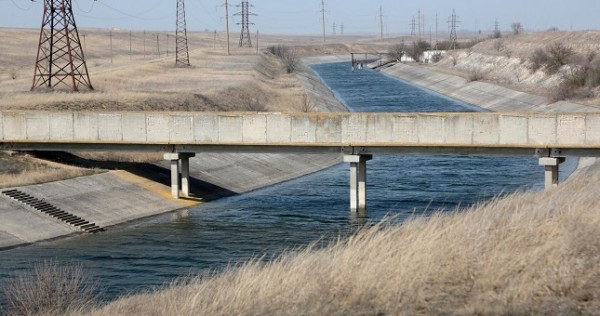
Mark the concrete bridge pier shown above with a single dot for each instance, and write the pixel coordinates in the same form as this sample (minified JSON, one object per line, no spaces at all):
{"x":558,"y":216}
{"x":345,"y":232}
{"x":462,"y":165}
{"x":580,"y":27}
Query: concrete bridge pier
{"x":358,"y":181}
{"x":551,"y":170}
{"x":180,"y":170}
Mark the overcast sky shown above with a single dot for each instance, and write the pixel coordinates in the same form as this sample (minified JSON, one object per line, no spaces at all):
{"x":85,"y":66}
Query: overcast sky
{"x":304,"y":17}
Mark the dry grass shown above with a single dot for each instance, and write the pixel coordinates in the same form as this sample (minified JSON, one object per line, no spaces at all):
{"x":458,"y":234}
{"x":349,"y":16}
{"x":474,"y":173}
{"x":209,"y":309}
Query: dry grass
{"x":533,"y":253}
{"x":49,"y":290}
{"x":149,"y":82}
{"x":18,"y":169}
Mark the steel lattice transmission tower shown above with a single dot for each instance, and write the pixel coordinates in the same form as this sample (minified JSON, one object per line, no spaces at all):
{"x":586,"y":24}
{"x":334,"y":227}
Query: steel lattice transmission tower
{"x":182,"y":55}
{"x":60,"y":59}
{"x":245,"y":39}
{"x":453,"y":24}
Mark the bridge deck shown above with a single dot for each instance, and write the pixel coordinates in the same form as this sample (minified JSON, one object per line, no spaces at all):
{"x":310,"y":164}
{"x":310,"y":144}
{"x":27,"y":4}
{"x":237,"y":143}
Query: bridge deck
{"x":353,"y":133}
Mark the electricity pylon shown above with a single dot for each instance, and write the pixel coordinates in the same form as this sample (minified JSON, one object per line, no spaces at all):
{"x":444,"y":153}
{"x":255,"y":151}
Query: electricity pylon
{"x":60,"y":59}
{"x":182,"y":55}
{"x":245,"y":39}
{"x":453,"y":24}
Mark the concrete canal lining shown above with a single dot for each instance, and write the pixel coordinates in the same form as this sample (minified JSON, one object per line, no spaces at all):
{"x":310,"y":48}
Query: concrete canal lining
{"x":482,"y":94}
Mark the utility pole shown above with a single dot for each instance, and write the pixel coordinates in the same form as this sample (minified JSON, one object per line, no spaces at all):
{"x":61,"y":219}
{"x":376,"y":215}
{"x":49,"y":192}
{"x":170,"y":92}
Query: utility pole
{"x":413,"y":25}
{"x":158,"y":45}
{"x":381,"y":20}
{"x":130,"y":47}
{"x":227,"y":25}
{"x":453,"y":23}
{"x":182,"y":55}
{"x":60,"y":58}
{"x":215,"y":40}
{"x":342,"y":29}
{"x":323,"y":17}
{"x":245,"y":39}
{"x":436,"y":31}
{"x":167,"y":45}
{"x":419,"y":23}
{"x":111,"y":48}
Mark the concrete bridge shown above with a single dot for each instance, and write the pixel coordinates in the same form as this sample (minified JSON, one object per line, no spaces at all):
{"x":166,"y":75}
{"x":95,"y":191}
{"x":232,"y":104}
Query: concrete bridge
{"x":357,"y":136}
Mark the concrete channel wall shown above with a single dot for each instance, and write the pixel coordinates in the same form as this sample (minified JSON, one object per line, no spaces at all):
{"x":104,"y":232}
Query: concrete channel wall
{"x":485,"y":95}
{"x":107,"y":131}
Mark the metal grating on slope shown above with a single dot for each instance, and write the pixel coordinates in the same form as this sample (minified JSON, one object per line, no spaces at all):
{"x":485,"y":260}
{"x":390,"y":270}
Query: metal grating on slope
{"x":52,"y":211}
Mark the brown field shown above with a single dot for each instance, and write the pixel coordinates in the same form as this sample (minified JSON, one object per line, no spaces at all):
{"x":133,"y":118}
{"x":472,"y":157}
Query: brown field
{"x":144,"y":81}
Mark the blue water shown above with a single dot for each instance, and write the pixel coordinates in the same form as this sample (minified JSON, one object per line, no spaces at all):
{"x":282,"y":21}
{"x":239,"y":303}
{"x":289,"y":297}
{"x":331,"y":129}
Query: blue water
{"x":148,"y":254}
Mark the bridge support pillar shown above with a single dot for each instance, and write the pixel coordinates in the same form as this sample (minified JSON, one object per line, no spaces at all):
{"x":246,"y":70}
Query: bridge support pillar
{"x":551,"y":171}
{"x":180,"y":170}
{"x":358,"y":181}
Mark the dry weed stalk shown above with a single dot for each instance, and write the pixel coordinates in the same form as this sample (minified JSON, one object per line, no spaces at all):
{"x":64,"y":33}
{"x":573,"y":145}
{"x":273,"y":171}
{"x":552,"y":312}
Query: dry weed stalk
{"x":51,"y":289}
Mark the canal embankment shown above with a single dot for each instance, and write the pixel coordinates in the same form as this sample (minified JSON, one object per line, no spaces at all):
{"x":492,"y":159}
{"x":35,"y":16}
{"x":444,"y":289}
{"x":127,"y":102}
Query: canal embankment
{"x":482,"y":94}
{"x":121,"y":196}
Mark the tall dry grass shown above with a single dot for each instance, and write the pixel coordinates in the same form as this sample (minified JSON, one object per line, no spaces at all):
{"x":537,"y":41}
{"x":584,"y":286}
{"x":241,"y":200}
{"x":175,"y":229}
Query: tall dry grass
{"x":532,"y":253}
{"x":50,"y":289}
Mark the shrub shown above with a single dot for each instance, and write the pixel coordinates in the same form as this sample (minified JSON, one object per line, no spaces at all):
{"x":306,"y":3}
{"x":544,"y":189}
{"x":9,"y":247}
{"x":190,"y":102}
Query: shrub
{"x":517,"y":28}
{"x":306,"y":104}
{"x":499,"y":45}
{"x":538,"y":59}
{"x":287,"y":55}
{"x":476,"y":75}
{"x":51,"y":289}
{"x":397,"y":51}
{"x":558,"y":55}
{"x":417,"y":50}
{"x":437,"y":57}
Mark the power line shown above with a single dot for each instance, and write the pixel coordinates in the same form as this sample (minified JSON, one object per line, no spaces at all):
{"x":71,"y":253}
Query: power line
{"x":138,"y":15}
{"x":227,"y":25}
{"x":381,"y":20}
{"x":323,"y":17}
{"x":23,"y":9}
{"x":86,"y":11}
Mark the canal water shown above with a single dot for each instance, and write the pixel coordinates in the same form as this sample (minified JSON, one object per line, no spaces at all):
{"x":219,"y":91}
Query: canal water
{"x":146,"y":255}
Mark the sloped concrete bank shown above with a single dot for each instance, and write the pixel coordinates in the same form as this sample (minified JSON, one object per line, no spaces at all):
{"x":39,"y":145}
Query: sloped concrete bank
{"x":485,"y":95}
{"x":122,"y":196}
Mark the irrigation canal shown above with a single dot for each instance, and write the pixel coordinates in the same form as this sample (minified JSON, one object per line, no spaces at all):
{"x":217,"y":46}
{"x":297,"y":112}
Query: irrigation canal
{"x":149,"y":254}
